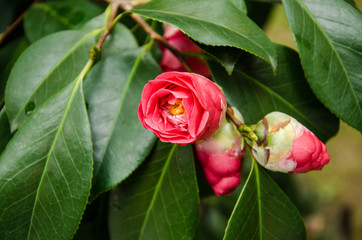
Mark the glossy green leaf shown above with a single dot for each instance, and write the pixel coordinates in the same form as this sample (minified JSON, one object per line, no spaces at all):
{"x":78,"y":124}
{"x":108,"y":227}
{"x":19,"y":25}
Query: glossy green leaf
{"x":46,"y":170}
{"x":160,"y":200}
{"x":328,"y":34}
{"x":263,"y":211}
{"x":43,"y":69}
{"x":8,"y":55}
{"x":46,"y":18}
{"x":260,"y":93}
{"x":5,"y":133}
{"x":212,"y":22}
{"x":113,"y":91}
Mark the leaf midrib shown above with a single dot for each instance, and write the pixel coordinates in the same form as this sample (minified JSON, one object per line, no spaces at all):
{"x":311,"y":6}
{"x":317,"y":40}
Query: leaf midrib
{"x":157,"y":189}
{"x":50,"y":9}
{"x":211,"y":23}
{"x":78,"y":80}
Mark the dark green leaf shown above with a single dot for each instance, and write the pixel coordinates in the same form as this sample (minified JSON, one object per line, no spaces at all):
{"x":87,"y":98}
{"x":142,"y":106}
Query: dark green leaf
{"x":46,"y":18}
{"x":260,"y":92}
{"x":213,"y":22}
{"x":8,"y":55}
{"x":46,"y":170}
{"x":160,"y":200}
{"x":43,"y":69}
{"x":113,"y":91}
{"x":263,"y":211}
{"x":328,"y":34}
{"x":5,"y":133}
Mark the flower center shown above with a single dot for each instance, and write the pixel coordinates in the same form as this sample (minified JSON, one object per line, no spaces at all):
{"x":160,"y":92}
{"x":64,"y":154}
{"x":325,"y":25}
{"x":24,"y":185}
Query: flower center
{"x":177,"y":108}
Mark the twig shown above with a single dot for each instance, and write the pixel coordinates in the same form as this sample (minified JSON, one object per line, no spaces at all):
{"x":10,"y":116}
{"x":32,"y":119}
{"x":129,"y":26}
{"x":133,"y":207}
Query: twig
{"x":15,"y":24}
{"x":154,"y":35}
{"x":230,"y":114}
{"x":114,"y":10}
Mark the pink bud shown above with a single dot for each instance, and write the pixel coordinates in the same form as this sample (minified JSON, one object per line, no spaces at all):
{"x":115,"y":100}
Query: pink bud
{"x":285,"y":145}
{"x":220,"y":157}
{"x":182,"y":43}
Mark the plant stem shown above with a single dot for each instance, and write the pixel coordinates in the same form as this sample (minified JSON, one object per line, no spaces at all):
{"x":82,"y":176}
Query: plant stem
{"x":15,"y":24}
{"x":114,"y":9}
{"x":154,"y":35}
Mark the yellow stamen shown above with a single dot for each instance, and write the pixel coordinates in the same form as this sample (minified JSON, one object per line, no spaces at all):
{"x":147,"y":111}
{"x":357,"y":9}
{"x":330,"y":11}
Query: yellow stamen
{"x":177,"y":108}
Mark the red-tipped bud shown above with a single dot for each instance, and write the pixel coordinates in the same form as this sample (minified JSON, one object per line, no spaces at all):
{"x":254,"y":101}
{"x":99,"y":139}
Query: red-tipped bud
{"x":285,"y":145}
{"x":220,"y":157}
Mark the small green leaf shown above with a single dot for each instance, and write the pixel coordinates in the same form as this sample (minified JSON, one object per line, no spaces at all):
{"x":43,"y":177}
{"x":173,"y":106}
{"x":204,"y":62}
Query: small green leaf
{"x":328,"y":34}
{"x":113,"y":91}
{"x":160,"y":200}
{"x":46,"y":170}
{"x":212,"y":22}
{"x":262,"y":92}
{"x":5,"y":132}
{"x":263,"y":211}
{"x":43,"y":69}
{"x":56,"y":16}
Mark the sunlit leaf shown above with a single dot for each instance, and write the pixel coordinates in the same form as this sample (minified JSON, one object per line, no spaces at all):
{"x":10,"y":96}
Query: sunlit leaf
{"x":212,"y":22}
{"x":46,"y":170}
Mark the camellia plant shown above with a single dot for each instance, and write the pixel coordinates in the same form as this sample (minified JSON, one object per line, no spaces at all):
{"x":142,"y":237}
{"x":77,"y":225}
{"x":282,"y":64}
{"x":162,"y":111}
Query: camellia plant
{"x":120,"y":119}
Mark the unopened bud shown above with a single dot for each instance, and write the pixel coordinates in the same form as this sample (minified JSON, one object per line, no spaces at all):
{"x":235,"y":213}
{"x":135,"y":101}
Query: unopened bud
{"x":285,"y":145}
{"x":220,"y":157}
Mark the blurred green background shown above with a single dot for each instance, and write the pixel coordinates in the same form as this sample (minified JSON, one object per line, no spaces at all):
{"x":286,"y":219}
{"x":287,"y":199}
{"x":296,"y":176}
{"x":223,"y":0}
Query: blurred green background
{"x":335,"y":193}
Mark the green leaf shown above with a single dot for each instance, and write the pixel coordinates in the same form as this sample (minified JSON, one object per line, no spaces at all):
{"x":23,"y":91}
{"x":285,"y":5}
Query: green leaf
{"x":160,"y":200}
{"x":46,"y":170}
{"x":5,"y":132}
{"x":263,"y":211}
{"x":261,"y":92}
{"x":56,"y":16}
{"x":8,"y":55}
{"x":43,"y":69}
{"x":212,"y":22}
{"x":113,"y":91}
{"x":329,"y":39}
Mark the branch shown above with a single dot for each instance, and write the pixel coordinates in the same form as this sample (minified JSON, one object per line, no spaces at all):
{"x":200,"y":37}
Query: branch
{"x":114,"y":9}
{"x":154,"y":35}
{"x":15,"y":24}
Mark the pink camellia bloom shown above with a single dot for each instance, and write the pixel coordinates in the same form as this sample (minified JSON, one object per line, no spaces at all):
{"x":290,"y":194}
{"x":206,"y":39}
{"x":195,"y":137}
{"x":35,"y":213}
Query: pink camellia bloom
{"x":220,"y":157}
{"x":285,"y":145}
{"x":182,"y":43}
{"x":181,"y":107}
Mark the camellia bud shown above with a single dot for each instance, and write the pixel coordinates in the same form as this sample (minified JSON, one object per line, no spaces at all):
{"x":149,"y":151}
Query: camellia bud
{"x":285,"y":145}
{"x":220,"y":157}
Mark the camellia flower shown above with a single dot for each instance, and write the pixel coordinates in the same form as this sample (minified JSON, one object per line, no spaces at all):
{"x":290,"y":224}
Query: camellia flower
{"x":182,"y":43}
{"x":220,"y":157}
{"x":181,"y":107}
{"x":285,"y":145}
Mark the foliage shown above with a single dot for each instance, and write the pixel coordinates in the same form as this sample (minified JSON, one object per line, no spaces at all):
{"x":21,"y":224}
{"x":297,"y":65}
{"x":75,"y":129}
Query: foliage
{"x":70,"y":139}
